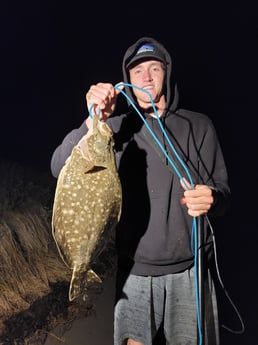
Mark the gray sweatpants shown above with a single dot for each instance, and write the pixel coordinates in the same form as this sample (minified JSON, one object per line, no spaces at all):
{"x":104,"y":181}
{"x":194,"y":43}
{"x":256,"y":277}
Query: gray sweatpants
{"x":143,"y":303}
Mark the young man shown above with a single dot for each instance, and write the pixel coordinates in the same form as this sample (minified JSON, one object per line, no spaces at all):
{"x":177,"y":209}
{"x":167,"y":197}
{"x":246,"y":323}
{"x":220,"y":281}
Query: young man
{"x":156,"y":281}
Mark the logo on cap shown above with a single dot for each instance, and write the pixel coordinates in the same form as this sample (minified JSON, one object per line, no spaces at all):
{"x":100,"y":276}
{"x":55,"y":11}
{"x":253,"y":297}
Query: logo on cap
{"x":145,"y":49}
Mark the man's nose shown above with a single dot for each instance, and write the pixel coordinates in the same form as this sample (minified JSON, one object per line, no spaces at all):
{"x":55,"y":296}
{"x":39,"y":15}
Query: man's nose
{"x":147,"y":75}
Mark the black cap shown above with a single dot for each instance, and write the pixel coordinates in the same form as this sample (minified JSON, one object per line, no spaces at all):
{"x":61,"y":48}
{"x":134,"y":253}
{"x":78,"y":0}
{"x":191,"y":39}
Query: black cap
{"x":146,"y":52}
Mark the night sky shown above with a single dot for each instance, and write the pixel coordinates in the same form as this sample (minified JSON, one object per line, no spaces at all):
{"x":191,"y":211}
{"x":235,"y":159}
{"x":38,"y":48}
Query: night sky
{"x":52,"y":51}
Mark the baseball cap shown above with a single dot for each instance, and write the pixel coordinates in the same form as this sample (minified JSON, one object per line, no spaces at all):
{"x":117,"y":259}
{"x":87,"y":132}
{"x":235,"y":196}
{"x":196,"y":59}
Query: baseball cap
{"x":146,"y":52}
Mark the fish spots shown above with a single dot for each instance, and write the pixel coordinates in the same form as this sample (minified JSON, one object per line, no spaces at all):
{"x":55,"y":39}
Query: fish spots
{"x":69,"y":211}
{"x":71,"y":240}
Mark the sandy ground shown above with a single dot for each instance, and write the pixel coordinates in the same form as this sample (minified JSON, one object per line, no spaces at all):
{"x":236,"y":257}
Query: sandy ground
{"x":95,"y":329}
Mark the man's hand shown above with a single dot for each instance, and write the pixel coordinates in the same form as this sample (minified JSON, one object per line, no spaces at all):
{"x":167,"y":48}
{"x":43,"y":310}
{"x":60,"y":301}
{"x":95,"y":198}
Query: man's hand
{"x":198,"y":200}
{"x":101,"y":100}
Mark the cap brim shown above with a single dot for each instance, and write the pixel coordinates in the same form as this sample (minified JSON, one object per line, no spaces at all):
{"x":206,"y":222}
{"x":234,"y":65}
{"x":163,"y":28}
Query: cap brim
{"x":137,"y":59}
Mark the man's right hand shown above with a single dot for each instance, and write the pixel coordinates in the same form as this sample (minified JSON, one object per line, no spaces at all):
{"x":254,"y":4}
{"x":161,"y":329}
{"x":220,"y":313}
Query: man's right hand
{"x":101,"y":100}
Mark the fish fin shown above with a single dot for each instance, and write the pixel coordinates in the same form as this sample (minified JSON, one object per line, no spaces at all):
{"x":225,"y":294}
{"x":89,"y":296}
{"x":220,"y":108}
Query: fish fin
{"x":92,"y":277}
{"x":80,"y":281}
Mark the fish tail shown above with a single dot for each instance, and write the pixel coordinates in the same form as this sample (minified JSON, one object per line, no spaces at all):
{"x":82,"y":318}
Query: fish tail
{"x":79,"y":283}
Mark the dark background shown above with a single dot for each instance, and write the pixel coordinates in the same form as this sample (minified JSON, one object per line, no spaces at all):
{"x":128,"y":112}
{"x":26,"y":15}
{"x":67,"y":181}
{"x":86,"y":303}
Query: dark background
{"x":52,"y":51}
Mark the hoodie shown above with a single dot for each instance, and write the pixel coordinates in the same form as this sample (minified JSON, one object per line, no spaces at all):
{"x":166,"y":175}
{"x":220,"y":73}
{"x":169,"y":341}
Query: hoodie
{"x":155,"y":232}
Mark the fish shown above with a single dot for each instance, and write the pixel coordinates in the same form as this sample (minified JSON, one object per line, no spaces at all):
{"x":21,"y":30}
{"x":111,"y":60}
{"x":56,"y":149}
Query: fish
{"x":87,"y":205}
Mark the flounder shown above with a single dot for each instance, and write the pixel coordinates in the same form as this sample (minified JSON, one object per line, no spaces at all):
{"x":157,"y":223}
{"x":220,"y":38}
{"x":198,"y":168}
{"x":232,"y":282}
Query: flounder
{"x":87,"y":205}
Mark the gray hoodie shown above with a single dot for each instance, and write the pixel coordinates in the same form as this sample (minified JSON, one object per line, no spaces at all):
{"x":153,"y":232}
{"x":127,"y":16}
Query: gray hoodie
{"x":155,"y":232}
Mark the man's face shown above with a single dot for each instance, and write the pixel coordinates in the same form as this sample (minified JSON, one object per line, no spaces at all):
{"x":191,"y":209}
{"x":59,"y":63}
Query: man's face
{"x":148,"y":75}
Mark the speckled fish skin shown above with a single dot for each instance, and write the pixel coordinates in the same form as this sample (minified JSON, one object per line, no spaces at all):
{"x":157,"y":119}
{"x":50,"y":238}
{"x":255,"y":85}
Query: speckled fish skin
{"x":87,"y":205}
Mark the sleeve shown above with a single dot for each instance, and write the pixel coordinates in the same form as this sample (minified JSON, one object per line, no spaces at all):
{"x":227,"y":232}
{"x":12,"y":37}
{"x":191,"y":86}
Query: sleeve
{"x":63,"y":151}
{"x":214,"y":172}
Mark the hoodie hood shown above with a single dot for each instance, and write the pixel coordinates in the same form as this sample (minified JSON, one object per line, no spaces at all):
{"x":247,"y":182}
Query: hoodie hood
{"x":160,"y":53}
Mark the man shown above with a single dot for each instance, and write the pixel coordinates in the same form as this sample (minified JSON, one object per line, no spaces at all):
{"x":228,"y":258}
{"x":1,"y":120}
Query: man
{"x":156,"y":281}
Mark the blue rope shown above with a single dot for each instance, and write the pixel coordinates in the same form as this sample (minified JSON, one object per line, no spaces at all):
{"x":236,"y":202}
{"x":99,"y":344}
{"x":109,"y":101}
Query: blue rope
{"x":162,"y":128}
{"x":194,"y":225}
{"x":91,"y":110}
